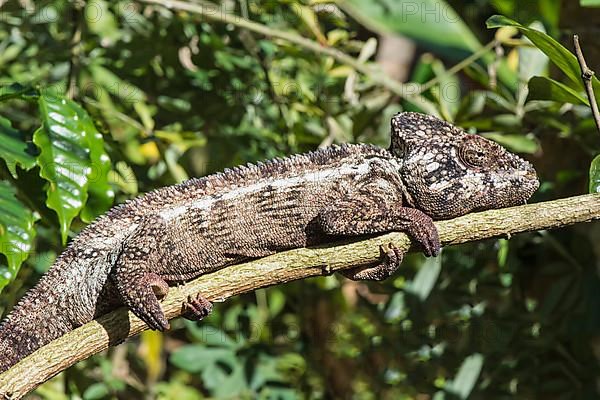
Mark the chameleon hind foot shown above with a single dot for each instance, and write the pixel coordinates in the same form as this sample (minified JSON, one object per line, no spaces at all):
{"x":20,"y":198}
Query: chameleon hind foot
{"x":391,"y":258}
{"x":196,"y":308}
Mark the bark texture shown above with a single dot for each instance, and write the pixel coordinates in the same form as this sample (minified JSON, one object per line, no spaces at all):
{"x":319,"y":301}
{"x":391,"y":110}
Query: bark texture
{"x":115,"y":327}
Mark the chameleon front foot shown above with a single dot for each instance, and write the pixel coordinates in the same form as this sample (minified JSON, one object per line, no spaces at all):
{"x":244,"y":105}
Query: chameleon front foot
{"x":141,"y":297}
{"x":422,"y":230}
{"x":391,"y":258}
{"x":196,"y":308}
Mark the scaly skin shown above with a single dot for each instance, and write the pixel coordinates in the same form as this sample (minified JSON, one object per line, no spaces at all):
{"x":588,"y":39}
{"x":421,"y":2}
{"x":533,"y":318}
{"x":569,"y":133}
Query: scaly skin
{"x":432,"y":170}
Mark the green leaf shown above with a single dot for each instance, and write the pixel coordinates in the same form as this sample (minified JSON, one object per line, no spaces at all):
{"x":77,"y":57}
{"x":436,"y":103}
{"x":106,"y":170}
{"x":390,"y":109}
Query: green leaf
{"x":557,"y":53}
{"x":17,"y":90}
{"x":589,"y":3}
{"x":467,"y":375}
{"x":532,"y":61}
{"x":96,"y":391}
{"x":101,"y":193}
{"x":196,"y":357}
{"x":64,"y":160}
{"x":518,"y":143}
{"x":16,"y":232}
{"x":431,"y":23}
{"x":595,"y":175}
{"x":425,"y":279}
{"x":13,"y":149}
{"x":102,"y":22}
{"x":116,"y":86}
{"x":447,"y":92}
{"x":542,"y":88}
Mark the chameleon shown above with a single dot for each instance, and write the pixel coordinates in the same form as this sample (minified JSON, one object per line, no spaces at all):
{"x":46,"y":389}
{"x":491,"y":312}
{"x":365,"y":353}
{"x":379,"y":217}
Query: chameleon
{"x":130,"y":256}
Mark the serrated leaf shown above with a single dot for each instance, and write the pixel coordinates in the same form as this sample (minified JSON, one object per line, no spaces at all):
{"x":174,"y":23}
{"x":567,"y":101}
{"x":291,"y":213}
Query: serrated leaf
{"x":101,"y":193}
{"x":16,"y":232}
{"x":13,"y":149}
{"x":64,"y":158}
{"x":595,"y":175}
{"x":542,"y":88}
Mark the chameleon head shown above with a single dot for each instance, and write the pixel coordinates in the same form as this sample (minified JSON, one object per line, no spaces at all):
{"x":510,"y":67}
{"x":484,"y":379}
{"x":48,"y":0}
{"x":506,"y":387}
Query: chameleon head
{"x":448,"y":172}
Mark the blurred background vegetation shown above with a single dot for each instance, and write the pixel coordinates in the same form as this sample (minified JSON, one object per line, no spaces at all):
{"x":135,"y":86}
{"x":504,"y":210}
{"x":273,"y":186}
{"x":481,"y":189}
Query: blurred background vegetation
{"x":101,"y":101}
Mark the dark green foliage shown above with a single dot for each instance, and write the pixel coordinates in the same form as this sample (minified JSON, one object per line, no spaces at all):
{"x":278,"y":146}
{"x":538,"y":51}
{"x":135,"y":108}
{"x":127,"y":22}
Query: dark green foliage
{"x":150,"y":96}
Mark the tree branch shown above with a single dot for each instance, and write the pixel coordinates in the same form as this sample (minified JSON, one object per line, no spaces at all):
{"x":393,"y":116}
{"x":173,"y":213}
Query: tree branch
{"x":115,"y":327}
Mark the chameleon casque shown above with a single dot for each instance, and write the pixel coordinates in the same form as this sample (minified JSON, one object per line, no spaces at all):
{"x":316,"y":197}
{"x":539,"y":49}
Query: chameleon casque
{"x":432,"y":170}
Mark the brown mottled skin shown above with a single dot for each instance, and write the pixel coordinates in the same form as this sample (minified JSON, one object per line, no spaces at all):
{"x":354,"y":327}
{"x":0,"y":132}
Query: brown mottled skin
{"x":432,"y":170}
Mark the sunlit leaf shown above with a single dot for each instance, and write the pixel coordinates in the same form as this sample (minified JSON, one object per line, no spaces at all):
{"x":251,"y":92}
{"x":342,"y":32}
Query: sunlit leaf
{"x":432,"y":23}
{"x":16,"y":232}
{"x":64,"y":160}
{"x":151,"y":349}
{"x":425,"y":279}
{"x":101,"y":194}
{"x":589,"y":3}
{"x":466,"y":378}
{"x":101,"y":21}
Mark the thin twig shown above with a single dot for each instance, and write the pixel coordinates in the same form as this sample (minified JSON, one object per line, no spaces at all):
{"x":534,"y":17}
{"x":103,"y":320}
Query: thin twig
{"x":75,"y":45}
{"x":587,"y":74}
{"x":458,"y":67}
{"x":116,"y":326}
{"x":375,"y":74}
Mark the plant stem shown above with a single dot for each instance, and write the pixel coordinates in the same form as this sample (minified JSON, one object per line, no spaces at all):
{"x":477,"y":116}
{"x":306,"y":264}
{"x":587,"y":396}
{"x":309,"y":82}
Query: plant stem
{"x":587,"y":74}
{"x":459,"y":67}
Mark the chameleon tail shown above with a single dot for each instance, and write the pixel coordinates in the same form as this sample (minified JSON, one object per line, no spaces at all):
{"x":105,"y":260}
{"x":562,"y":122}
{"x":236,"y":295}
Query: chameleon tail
{"x":56,"y":305}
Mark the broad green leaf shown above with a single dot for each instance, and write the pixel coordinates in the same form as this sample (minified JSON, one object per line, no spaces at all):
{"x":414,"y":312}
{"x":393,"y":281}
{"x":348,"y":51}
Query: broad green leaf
{"x":595,"y":175}
{"x":542,"y":88}
{"x":557,"y":53}
{"x":532,"y":61}
{"x":13,"y":149}
{"x":432,"y":23}
{"x":16,"y":232}
{"x":589,"y":3}
{"x":64,"y":160}
{"x":466,"y":378}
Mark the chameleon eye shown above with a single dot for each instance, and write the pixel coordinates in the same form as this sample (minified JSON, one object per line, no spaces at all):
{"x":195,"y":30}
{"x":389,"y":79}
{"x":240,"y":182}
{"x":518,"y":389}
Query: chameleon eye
{"x":474,"y":153}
